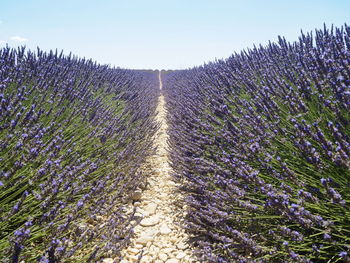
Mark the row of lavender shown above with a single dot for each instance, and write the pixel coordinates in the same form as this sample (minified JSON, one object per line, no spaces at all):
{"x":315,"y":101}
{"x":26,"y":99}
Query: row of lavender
{"x":261,"y":143}
{"x":72,"y":137}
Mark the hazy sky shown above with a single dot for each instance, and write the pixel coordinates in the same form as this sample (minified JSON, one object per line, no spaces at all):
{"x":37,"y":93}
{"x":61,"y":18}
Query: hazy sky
{"x":161,"y":34}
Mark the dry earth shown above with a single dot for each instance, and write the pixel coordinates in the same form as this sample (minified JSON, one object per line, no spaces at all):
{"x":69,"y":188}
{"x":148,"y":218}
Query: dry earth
{"x":159,"y":237}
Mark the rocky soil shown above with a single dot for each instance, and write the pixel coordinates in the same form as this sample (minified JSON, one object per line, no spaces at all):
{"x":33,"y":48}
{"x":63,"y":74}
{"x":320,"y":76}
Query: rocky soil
{"x":159,"y":237}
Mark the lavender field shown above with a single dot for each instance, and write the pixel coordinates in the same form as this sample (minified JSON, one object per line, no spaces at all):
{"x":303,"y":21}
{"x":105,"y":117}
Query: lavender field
{"x":73,"y":135}
{"x":261,"y":144}
{"x":258,"y":146}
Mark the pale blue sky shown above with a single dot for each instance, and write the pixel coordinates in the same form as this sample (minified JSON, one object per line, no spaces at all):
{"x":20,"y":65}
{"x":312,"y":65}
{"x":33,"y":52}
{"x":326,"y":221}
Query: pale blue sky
{"x":161,"y":34}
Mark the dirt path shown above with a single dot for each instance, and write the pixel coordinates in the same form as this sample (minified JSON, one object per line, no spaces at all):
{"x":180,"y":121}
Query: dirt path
{"x":159,"y":237}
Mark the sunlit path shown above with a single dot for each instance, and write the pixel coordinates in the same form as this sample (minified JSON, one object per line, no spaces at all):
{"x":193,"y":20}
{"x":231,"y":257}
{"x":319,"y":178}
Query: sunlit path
{"x":159,"y":237}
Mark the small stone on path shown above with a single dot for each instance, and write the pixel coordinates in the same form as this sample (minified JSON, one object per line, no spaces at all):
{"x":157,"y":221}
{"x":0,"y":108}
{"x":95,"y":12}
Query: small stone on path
{"x":150,"y":221}
{"x":144,"y":239}
{"x":165,"y":230}
{"x":168,"y":250}
{"x":133,"y":257}
{"x":181,"y":255}
{"x":146,"y":259}
{"x":151,"y":208}
{"x":182,"y":246}
{"x":163,"y":256}
{"x":138,"y":246}
{"x":133,"y":251}
{"x":136,"y":196}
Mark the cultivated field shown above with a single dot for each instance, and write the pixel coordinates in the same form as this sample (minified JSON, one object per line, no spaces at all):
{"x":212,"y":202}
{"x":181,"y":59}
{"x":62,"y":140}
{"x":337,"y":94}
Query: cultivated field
{"x":239,"y":160}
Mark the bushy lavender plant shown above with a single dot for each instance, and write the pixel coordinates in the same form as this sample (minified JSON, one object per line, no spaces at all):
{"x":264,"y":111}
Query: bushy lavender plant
{"x":262,"y":143}
{"x":73,"y":135}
